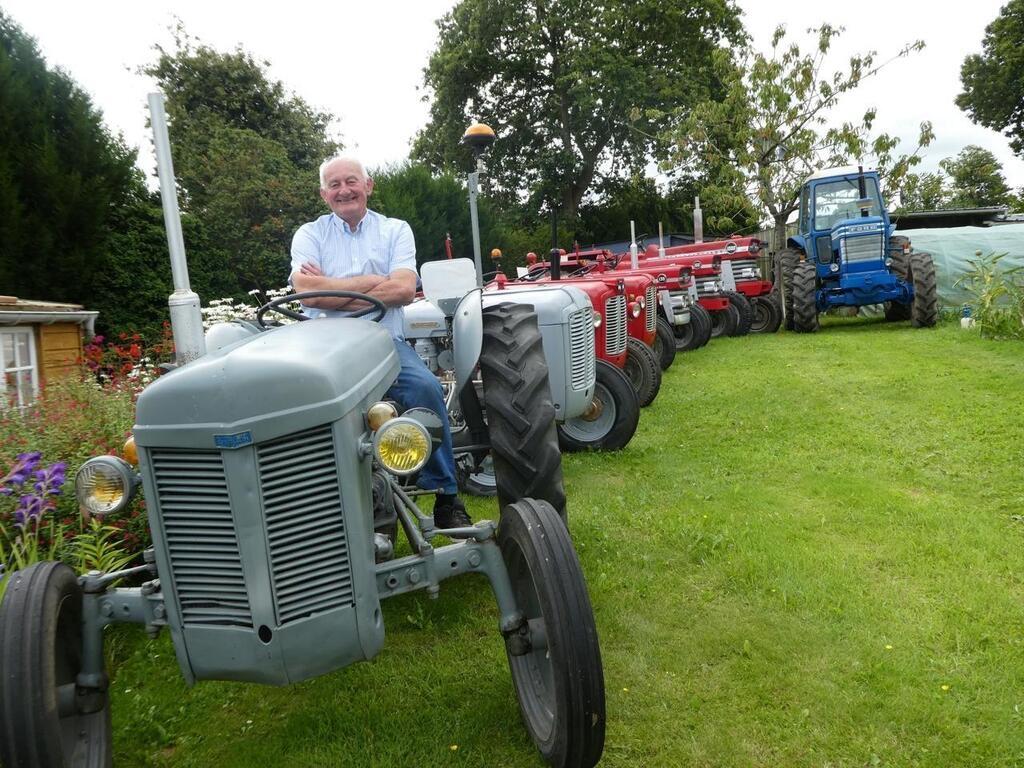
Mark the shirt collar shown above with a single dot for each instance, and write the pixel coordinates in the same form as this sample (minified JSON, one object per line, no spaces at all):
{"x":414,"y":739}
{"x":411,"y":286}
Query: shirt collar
{"x":344,"y":227}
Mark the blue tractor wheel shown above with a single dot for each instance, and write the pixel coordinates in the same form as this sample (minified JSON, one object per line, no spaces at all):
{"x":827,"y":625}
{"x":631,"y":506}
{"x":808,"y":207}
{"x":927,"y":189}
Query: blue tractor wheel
{"x":925,"y":310}
{"x":785,"y":263}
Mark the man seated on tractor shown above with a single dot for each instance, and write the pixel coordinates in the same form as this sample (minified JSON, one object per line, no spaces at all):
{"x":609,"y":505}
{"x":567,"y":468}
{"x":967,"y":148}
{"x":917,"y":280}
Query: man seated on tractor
{"x":356,"y":249}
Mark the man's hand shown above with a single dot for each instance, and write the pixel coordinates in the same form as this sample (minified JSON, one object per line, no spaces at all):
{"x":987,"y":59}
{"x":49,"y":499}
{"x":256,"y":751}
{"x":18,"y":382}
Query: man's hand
{"x":309,"y":277}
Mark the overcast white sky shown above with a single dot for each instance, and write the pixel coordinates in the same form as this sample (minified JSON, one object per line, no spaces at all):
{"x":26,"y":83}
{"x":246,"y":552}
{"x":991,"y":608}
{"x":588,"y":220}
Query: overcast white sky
{"x":364,"y":61}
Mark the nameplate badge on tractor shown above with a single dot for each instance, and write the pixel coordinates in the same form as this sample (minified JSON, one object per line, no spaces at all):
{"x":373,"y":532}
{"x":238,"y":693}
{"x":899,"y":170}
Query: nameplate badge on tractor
{"x":237,"y":440}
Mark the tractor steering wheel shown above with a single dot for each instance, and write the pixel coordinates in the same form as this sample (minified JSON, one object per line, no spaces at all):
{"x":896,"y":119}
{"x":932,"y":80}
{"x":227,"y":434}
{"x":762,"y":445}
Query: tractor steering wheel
{"x":377,"y":307}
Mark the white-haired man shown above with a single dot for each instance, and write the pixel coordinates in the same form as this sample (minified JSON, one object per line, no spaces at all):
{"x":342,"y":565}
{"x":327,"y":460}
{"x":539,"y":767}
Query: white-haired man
{"x":355,"y":249}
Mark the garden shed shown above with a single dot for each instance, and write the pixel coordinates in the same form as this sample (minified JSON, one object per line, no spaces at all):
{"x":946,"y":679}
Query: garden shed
{"x":39,"y":340}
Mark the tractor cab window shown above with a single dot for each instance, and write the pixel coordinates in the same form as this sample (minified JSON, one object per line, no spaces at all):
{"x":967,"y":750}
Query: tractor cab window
{"x":805,"y":197}
{"x":837,"y":201}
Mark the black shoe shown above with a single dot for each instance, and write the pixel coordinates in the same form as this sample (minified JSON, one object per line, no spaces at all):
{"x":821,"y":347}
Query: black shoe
{"x":450,"y":512}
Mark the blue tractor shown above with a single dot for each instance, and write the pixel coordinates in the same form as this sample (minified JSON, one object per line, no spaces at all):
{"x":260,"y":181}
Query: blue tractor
{"x":845,"y":255}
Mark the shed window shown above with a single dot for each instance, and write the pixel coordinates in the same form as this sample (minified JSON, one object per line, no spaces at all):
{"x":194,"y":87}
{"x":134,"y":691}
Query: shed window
{"x":18,"y":365}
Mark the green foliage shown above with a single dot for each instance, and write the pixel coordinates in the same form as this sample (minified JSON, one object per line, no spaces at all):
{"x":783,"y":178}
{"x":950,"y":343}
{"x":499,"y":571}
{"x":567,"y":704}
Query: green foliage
{"x":993,"y":80}
{"x":96,"y":549}
{"x":434,"y":205}
{"x":246,"y":154}
{"x":769,"y":131}
{"x":997,"y":297}
{"x":62,"y":178}
{"x":976,"y":179}
{"x":558,"y":82}
{"x":923,"y":192}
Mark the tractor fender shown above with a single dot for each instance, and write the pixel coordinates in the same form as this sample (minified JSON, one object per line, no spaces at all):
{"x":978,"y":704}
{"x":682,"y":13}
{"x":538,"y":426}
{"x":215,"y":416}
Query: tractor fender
{"x":797,"y":242}
{"x":467,"y":337}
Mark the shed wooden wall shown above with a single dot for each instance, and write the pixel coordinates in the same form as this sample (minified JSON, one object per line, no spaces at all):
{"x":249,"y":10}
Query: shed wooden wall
{"x":59,"y":348}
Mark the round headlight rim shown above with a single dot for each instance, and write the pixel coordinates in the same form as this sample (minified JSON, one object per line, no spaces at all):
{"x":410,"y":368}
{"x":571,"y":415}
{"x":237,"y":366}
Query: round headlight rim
{"x":123,"y":471}
{"x":394,"y":423}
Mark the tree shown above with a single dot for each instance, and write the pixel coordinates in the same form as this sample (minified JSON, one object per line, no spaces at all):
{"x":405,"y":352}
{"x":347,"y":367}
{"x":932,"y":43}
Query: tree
{"x":768,"y":133}
{"x":976,"y":179}
{"x":993,"y":80}
{"x":559,"y":80}
{"x":246,"y":155}
{"x":62,"y":178}
{"x":923,"y":192}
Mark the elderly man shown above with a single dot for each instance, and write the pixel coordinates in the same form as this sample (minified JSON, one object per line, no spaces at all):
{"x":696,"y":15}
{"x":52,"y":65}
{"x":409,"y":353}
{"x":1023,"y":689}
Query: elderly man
{"x":356,"y":249}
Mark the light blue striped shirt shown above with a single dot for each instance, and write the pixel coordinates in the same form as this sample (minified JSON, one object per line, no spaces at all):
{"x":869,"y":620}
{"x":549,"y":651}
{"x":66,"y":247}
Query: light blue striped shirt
{"x":377,"y":246}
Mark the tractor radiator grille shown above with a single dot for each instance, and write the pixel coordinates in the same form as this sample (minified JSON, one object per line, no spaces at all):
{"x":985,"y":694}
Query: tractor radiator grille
{"x":615,"y":325}
{"x":745,"y":269}
{"x":707,"y":286}
{"x":199,"y":529}
{"x":581,"y":348}
{"x":652,"y":309}
{"x":309,"y":557}
{"x":863,"y":248}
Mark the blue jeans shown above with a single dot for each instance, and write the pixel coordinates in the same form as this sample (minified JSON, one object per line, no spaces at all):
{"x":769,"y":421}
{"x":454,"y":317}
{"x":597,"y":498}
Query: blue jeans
{"x":417,"y":387}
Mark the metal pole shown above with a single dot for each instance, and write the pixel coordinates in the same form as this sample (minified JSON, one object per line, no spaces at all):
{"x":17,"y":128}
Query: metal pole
{"x":186,"y":317}
{"x":474,"y":188}
{"x":698,"y":221}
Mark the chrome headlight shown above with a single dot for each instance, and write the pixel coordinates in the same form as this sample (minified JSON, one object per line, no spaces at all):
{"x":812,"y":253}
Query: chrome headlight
{"x":105,"y":484}
{"x":597,"y":319}
{"x":833,"y":267}
{"x":402,"y":446}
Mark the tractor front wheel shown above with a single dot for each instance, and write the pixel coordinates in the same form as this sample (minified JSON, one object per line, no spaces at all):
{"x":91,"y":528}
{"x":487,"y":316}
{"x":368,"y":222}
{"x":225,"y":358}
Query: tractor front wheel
{"x":725,"y":321}
{"x":554,"y":657}
{"x":925,"y":309}
{"x":742,"y":304}
{"x":46,"y":719}
{"x":611,"y":420}
{"x":767,"y":314}
{"x":805,"y":300}
{"x":643,"y":371}
{"x":664,"y":344}
{"x":520,"y":413}
{"x":702,"y":318}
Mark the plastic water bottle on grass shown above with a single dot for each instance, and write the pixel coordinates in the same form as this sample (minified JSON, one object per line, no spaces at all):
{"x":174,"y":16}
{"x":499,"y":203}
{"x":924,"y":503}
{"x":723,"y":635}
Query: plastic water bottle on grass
{"x":966,"y":321}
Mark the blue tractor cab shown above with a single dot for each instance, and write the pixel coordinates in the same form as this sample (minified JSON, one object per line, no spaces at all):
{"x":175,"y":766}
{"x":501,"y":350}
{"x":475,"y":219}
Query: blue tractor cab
{"x":845,"y":255}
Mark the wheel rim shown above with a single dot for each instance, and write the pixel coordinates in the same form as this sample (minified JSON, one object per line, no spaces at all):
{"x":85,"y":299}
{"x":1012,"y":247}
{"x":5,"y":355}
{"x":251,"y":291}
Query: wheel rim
{"x":533,"y":672}
{"x":634,"y":372}
{"x":717,"y":324}
{"x":593,"y":430}
{"x":78,"y":730}
{"x":685,"y":337}
{"x":484,"y":479}
{"x":761,"y":317}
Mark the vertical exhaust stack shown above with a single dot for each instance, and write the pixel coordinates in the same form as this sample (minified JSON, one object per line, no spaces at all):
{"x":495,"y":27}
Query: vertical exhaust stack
{"x":661,"y":242}
{"x":186,"y":317}
{"x":632,"y":245}
{"x":555,"y":257}
{"x":698,"y":221}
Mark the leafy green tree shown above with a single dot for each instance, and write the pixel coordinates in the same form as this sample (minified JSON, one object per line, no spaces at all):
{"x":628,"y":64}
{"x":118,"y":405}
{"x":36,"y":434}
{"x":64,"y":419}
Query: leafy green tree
{"x":246,"y":155}
{"x":769,"y":131}
{"x":62,"y":178}
{"x":560,"y":80}
{"x":976,"y":179}
{"x":993,"y":80}
{"x":923,"y":192}
{"x":435,"y":205}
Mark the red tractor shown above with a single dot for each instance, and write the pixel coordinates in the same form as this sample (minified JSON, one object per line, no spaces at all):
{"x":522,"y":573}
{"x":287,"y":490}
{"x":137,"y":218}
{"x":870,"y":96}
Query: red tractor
{"x":614,"y":413}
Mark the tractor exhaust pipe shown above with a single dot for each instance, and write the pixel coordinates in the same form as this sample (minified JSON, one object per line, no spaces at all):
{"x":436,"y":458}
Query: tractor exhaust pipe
{"x":698,"y":221}
{"x":555,"y":257}
{"x":186,"y":317}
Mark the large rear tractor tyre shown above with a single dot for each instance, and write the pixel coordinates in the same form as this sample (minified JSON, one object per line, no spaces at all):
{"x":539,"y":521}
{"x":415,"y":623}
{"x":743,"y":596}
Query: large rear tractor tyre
{"x":805,"y":305}
{"x":46,"y":720}
{"x":643,"y":371}
{"x":925,"y":309}
{"x":555,"y":657}
{"x":520,"y":413}
{"x":664,"y":344}
{"x":703,"y":319}
{"x":742,"y":304}
{"x":785,"y":263}
{"x":767,"y":314}
{"x":612,"y":418}
{"x":724,"y":321}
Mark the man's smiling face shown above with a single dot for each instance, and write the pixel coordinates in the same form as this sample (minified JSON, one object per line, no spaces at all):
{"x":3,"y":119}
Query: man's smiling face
{"x":345,"y":190}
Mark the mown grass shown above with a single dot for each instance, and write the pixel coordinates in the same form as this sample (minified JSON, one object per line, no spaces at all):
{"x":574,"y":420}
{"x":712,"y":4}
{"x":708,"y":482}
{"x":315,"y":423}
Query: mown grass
{"x":809,"y":555}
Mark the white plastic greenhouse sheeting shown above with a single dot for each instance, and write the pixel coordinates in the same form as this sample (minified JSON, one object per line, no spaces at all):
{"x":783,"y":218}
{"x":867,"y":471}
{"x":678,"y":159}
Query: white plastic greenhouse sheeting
{"x":951,"y":249}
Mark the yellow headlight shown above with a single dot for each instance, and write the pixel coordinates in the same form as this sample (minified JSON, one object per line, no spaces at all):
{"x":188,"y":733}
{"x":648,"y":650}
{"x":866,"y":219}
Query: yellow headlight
{"x":402,"y":446}
{"x":105,"y":484}
{"x":130,"y":453}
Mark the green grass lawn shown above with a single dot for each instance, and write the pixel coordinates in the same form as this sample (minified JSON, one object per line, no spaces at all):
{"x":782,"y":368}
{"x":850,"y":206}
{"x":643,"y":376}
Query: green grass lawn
{"x":811,"y":554}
